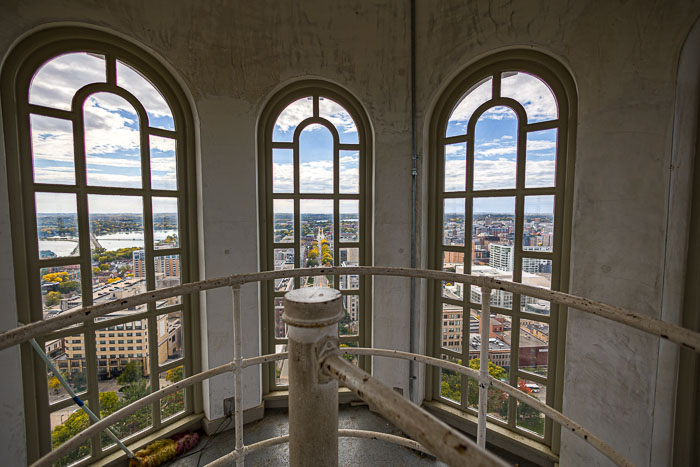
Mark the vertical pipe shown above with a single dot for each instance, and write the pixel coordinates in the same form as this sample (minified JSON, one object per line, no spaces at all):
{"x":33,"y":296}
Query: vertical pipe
{"x":414,"y":210}
{"x":237,"y":377}
{"x":312,"y":315}
{"x":484,"y":366}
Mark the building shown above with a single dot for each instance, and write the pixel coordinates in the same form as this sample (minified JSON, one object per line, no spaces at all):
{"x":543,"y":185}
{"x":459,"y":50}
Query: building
{"x":629,"y":135}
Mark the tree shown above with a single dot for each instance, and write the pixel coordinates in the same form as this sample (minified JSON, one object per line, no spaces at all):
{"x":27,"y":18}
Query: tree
{"x":54,"y":384}
{"x":55,"y":277}
{"x":52,"y":298}
{"x":132,"y":372}
{"x":104,"y":267}
{"x":529,"y":417}
{"x":174,"y":375}
{"x":497,"y":400}
{"x":66,"y":287}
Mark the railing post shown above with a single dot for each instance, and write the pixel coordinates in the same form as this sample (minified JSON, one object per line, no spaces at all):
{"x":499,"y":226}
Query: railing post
{"x":312,"y":315}
{"x":237,"y":376}
{"x":484,"y":366}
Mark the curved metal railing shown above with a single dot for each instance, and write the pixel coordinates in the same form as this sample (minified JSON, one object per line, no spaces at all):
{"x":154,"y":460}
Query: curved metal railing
{"x":677,"y":334}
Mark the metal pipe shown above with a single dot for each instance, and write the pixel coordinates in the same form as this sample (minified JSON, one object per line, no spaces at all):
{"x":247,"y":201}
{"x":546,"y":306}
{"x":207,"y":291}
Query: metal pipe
{"x":312,"y":315}
{"x":79,"y":402}
{"x":685,"y":337}
{"x":237,"y":377}
{"x":483,"y":365}
{"x":567,"y":423}
{"x":448,"y":444}
{"x":414,"y":206}
{"x":95,"y":428}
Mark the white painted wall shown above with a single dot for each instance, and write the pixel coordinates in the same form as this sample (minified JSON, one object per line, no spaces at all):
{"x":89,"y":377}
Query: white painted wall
{"x":233,"y":55}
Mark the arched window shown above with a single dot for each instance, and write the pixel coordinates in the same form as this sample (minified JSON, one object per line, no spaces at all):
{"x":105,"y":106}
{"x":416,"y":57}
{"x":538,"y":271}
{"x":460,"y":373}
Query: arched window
{"x":502,"y":142}
{"x":315,"y":205}
{"x":101,"y":185}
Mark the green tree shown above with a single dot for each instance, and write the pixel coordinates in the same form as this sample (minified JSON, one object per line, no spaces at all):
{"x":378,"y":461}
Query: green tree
{"x":54,"y":384}
{"x":66,"y":287}
{"x":174,"y":375}
{"x":133,"y":371}
{"x":52,"y":298}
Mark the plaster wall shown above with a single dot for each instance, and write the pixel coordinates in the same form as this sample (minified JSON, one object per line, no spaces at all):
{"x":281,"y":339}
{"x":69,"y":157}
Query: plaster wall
{"x":231,"y":56}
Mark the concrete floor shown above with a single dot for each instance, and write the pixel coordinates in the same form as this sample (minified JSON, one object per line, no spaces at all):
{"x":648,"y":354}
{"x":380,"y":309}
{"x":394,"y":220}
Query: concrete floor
{"x":352,"y":451}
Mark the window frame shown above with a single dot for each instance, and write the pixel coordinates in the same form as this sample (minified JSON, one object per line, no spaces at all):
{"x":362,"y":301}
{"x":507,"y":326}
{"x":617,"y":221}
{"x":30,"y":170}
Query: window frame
{"x":557,"y":77}
{"x":272,"y":110}
{"x":25,"y":59}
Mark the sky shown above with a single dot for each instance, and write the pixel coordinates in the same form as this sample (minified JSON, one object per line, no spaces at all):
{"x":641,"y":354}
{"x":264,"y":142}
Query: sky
{"x":496,"y":139}
{"x":113,"y":145}
{"x":112,"y":142}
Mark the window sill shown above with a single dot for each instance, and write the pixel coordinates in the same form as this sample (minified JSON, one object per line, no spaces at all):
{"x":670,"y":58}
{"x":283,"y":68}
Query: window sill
{"x":280,"y":399}
{"x":497,"y":435}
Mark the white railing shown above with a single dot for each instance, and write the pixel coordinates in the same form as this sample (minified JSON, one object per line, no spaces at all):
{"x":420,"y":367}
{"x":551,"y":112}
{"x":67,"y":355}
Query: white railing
{"x":338,"y":369}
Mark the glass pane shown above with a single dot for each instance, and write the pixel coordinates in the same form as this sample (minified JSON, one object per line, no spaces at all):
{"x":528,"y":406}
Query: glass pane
{"x":57,"y":225}
{"x":112,"y":143}
{"x":163,"y":163}
{"x":57,"y":81}
{"x":540,"y":159}
{"x":451,"y":382}
{"x":495,"y":149}
{"x":68,"y":355}
{"x":473,"y":98}
{"x":534,"y":95}
{"x":527,"y":417}
{"x":281,"y":367}
{"x":65,"y":424}
{"x":317,"y":232}
{"x":340,"y":118}
{"x":123,"y":374}
{"x":167,"y":271}
{"x":170,"y":345}
{"x":453,"y":222}
{"x":455,"y":167}
{"x":282,"y":170}
{"x":172,"y":404}
{"x":60,"y":289}
{"x":290,"y":118}
{"x":349,"y":257}
{"x":280,"y":325}
{"x":349,"y":220}
{"x":350,"y":323}
{"x":52,"y":150}
{"x":534,"y":346}
{"x":283,"y":218}
{"x":157,"y":109}
{"x":538,"y":230}
{"x":165,"y":223}
{"x":349,"y":172}
{"x":497,"y":405}
{"x":499,"y":341}
{"x":284,"y":259}
{"x":452,"y":327}
{"x":493,"y":227}
{"x":316,"y":160}
{"x":453,"y":261}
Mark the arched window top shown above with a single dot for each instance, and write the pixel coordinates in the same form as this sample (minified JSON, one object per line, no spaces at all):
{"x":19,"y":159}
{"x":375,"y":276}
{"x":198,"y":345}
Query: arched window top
{"x":57,"y":81}
{"x":530,"y":91}
{"x":319,"y":107}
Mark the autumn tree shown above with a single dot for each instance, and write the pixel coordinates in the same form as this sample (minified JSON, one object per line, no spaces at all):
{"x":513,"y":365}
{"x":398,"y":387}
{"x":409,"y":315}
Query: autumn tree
{"x":52,"y":298}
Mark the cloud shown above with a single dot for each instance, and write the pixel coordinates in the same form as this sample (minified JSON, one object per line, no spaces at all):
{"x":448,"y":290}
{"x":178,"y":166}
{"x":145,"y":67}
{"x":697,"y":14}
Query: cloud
{"x":294,"y":113}
{"x":302,"y":109}
{"x":532,"y":93}
{"x":57,"y":81}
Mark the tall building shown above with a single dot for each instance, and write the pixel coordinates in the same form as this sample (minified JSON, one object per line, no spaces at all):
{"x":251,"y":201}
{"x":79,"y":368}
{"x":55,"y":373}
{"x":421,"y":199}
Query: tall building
{"x":501,"y":256}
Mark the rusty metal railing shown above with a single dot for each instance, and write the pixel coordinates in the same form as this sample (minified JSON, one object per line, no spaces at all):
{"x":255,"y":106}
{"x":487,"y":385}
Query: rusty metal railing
{"x":365,"y":386}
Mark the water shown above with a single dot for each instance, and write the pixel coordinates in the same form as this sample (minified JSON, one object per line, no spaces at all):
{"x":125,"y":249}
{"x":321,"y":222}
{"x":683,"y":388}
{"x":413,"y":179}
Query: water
{"x":110,"y":242}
